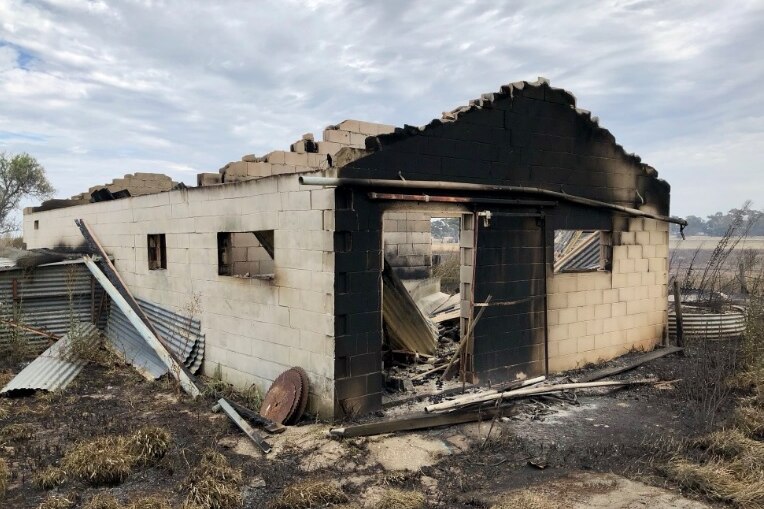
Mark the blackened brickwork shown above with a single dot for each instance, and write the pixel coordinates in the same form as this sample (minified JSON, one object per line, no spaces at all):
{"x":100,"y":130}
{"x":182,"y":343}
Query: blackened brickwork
{"x":529,"y":135}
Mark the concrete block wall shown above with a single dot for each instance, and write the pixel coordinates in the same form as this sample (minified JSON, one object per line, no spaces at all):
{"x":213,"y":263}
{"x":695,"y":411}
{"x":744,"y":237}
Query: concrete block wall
{"x":304,"y":155}
{"x":594,"y":316}
{"x":249,"y":256}
{"x":255,"y":329}
{"x":407,"y":240}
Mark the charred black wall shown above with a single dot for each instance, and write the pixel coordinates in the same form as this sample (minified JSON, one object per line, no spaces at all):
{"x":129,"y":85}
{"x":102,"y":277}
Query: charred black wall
{"x":509,"y":267}
{"x":358,"y":304}
{"x":530,"y":136}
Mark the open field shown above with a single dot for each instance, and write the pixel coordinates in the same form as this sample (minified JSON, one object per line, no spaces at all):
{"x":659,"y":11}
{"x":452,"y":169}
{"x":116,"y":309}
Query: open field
{"x":709,"y":243}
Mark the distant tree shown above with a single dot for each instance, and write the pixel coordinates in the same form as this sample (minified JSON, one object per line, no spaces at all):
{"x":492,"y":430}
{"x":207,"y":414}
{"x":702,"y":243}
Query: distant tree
{"x":443,"y":227}
{"x":21,"y":176}
{"x":695,"y":225}
{"x":718,"y":223}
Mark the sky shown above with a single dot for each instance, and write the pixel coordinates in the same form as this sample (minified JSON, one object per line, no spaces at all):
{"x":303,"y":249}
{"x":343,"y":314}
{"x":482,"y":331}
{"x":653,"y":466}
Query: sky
{"x":97,"y":89}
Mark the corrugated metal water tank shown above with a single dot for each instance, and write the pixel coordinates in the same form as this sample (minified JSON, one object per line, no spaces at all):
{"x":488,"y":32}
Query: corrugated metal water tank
{"x":703,"y":324}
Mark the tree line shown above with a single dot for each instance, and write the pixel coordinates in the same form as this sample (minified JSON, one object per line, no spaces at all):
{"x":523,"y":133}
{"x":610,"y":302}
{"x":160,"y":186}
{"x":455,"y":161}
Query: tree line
{"x":718,"y":224}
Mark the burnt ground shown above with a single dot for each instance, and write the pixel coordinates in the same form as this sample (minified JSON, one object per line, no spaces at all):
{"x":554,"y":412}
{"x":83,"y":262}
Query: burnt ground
{"x":541,"y":440}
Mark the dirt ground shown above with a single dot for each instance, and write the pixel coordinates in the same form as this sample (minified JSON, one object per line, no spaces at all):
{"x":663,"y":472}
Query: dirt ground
{"x":592,"y":451}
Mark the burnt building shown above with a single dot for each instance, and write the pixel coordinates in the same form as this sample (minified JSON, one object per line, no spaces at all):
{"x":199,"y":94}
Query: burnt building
{"x":565,"y":231}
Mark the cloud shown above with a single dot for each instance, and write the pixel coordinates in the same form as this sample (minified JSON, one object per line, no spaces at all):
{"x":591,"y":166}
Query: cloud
{"x":98,"y":89}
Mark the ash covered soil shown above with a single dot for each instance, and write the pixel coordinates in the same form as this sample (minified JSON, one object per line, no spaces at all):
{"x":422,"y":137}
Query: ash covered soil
{"x":595,"y":450}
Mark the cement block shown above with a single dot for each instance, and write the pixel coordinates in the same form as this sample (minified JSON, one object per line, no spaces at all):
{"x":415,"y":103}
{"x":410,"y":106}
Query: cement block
{"x":328,"y":147}
{"x":276,"y":157}
{"x":337,"y":136}
{"x":208,"y":179}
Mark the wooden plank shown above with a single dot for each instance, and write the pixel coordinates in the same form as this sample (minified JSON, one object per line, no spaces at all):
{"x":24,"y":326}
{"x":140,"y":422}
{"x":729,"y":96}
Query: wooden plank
{"x":642,"y":359}
{"x":417,"y":421}
{"x":27,"y":328}
{"x":267,"y":424}
{"x":176,"y":369}
{"x":678,"y":313}
{"x":532,"y":391}
{"x":465,"y":340}
{"x":448,"y":315}
{"x":467,"y":399}
{"x":244,"y":426}
{"x":115,"y":278}
{"x":505,"y":386}
{"x":112,"y":275}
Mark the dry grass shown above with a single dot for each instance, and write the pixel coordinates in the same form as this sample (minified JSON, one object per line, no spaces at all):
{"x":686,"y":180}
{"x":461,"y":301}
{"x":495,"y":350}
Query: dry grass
{"x":109,"y":460}
{"x":149,"y":444}
{"x":5,"y":476}
{"x":308,"y":494}
{"x":212,"y":484}
{"x":448,"y":270}
{"x":56,"y":502}
{"x":19,"y":432}
{"x":89,"y":348}
{"x":102,"y":461}
{"x":750,"y":420}
{"x":102,"y":501}
{"x":526,"y":499}
{"x":733,"y":444}
{"x":50,"y":477}
{"x":216,"y":388}
{"x":750,"y":379}
{"x":719,"y":480}
{"x":153,"y":502}
{"x":400,"y":499}
{"x":5,"y":377}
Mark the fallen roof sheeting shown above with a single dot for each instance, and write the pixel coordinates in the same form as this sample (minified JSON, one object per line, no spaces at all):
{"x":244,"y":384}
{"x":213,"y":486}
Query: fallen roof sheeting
{"x":407,"y":328}
{"x":179,"y":371}
{"x":182,"y":333}
{"x":53,"y":369}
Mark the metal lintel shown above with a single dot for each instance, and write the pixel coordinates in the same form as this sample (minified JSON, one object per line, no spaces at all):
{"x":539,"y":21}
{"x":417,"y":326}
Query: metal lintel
{"x":482,"y":188}
{"x":490,"y":213}
{"x":426,"y":198}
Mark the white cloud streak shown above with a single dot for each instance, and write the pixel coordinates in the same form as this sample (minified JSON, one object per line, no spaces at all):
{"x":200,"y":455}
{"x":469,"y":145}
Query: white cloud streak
{"x":97,"y":89}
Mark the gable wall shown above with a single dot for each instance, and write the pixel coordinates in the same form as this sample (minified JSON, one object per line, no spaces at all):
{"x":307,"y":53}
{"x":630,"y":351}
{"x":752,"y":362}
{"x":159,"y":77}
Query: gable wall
{"x":535,"y":138}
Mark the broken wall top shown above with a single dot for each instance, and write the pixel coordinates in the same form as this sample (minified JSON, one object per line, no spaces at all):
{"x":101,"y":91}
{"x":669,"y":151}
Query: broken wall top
{"x":351,"y":140}
{"x":132,"y":184}
{"x":527,"y":135}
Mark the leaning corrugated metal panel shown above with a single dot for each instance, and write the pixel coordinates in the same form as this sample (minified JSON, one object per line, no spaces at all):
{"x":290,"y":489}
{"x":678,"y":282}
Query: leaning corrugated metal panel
{"x":183,"y":334}
{"x":133,"y":348}
{"x":53,"y":369}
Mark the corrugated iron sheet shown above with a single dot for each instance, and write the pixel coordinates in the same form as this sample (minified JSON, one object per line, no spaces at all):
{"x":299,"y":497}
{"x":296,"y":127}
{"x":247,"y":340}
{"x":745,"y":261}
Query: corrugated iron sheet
{"x":54,"y":369}
{"x":407,"y":328}
{"x":581,"y":250}
{"x":48,"y":297}
{"x":182,"y":333}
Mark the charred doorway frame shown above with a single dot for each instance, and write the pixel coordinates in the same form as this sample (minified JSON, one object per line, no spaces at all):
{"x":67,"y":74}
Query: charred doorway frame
{"x":467,"y":368}
{"x":478,"y":213}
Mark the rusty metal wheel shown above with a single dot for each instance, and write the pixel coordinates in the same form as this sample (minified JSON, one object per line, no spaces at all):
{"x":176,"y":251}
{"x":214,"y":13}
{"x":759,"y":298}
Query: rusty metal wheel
{"x":302,"y":404}
{"x":283,"y":397}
